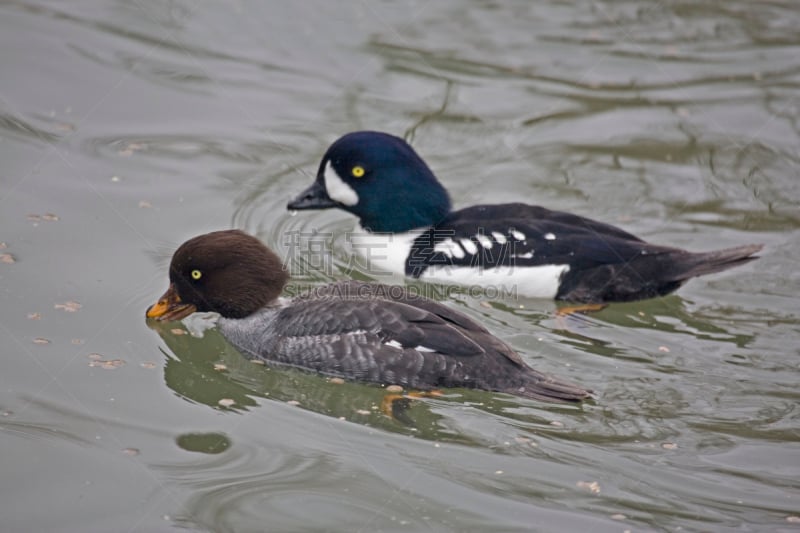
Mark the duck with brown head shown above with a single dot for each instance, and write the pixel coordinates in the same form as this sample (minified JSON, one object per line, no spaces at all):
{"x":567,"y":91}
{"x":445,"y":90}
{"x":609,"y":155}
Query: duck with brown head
{"x":354,"y":330}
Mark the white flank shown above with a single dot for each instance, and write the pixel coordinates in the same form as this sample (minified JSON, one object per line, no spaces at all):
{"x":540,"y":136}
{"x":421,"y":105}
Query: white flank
{"x":337,"y":189}
{"x":469,"y":246}
{"x":485,"y":241}
{"x":536,"y":282}
{"x":499,"y":237}
{"x":518,"y":235}
{"x":550,"y":236}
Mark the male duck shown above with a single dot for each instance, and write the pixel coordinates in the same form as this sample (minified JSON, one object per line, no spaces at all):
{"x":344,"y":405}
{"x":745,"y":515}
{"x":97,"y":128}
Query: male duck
{"x":543,"y":253}
{"x":355,"y":330}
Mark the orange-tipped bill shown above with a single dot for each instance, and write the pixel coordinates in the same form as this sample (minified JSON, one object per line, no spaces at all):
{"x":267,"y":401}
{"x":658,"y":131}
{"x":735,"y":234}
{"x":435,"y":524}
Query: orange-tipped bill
{"x":169,"y":307}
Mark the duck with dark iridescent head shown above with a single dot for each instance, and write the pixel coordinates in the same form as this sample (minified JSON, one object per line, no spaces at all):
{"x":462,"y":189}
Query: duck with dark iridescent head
{"x":541,"y":253}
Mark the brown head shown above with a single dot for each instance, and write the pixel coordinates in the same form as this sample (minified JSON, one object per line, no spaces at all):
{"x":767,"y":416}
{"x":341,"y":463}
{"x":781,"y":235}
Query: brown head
{"x":229,"y":272}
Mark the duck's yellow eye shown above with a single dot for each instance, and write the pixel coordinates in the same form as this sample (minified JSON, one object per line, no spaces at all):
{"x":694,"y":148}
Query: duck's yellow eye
{"x":358,"y":171}
{"x":196,"y":274}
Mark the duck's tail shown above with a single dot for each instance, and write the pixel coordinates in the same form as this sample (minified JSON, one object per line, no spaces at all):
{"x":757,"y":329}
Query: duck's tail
{"x":700,"y":264}
{"x":547,"y":388}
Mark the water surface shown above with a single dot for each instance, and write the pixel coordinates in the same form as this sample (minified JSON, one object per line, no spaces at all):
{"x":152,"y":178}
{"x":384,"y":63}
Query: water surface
{"x":128,"y":127}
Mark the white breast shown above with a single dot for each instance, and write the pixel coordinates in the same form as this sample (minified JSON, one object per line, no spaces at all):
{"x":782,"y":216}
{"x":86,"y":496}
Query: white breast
{"x":384,"y":253}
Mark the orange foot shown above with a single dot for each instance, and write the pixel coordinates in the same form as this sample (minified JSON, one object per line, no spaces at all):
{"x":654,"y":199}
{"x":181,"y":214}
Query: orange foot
{"x":395,"y":405}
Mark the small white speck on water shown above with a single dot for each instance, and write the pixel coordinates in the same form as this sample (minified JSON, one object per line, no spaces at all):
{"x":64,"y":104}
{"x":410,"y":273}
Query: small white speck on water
{"x":618,"y":516}
{"x":220,"y":366}
{"x":591,"y":486}
{"x":669,"y":445}
{"x":226,"y":402}
{"x":115,"y":179}
{"x":293,"y":402}
{"x":363,"y":412}
{"x":557,"y":424}
{"x":70,"y":306}
{"x":40,"y":340}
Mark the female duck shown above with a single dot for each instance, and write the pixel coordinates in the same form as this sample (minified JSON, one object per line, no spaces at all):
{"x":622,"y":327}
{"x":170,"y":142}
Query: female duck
{"x":355,"y":330}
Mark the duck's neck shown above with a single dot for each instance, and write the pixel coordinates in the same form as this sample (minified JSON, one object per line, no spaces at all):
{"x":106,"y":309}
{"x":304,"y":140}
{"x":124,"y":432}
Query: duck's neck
{"x":408,"y":209}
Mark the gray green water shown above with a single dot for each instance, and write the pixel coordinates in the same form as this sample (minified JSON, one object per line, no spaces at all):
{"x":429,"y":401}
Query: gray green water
{"x":129,"y":126}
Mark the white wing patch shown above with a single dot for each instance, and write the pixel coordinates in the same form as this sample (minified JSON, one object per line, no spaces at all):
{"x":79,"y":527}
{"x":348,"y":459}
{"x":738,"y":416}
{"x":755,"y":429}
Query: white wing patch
{"x":485,"y":241}
{"x":446,"y":247}
{"x":395,"y":344}
{"x":337,"y":189}
{"x":469,"y":246}
{"x":499,"y":237}
{"x":518,"y":235}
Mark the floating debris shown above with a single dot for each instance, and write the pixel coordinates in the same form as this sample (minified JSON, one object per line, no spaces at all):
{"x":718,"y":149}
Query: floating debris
{"x":220,"y":366}
{"x":485,"y":304}
{"x":144,"y":204}
{"x":793,"y":519}
{"x":257,"y":362}
{"x":115,"y":179}
{"x":618,"y":516}
{"x":394,"y":388}
{"x":557,"y":424}
{"x":69,"y":307}
{"x":77,"y":342}
{"x":34,"y":316}
{"x":226,"y":402}
{"x":498,"y":472}
{"x":591,"y":486}
{"x":7,"y":258}
{"x":148,"y":365}
{"x":293,"y":402}
{"x":663,"y":349}
{"x":95,"y":356}
{"x":50,"y":217}
{"x":131,"y":451}
{"x":669,"y":445}
{"x":131,"y":148}
{"x":40,"y":340}
{"x":336,"y":381}
{"x":111,"y":364}
{"x":363,"y":412}
{"x":178,"y":331}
